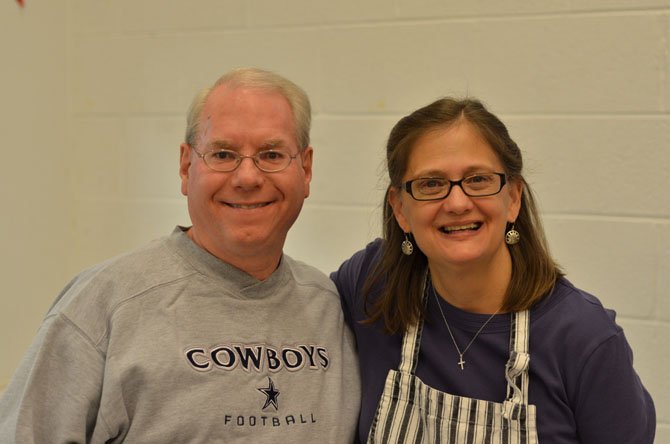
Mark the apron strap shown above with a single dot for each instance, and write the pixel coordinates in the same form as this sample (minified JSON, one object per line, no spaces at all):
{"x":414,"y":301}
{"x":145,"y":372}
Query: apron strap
{"x":411,"y":342}
{"x":516,"y":369}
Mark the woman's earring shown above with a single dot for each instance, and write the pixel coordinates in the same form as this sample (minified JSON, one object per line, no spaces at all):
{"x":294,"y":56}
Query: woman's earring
{"x":512,"y":236}
{"x":407,"y":247}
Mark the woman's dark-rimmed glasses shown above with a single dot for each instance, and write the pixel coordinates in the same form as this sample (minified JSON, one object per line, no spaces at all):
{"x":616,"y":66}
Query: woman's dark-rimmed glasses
{"x":437,"y":188}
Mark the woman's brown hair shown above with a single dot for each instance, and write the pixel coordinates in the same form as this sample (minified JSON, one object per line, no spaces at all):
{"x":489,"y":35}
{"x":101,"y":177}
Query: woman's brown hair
{"x":400,"y":277}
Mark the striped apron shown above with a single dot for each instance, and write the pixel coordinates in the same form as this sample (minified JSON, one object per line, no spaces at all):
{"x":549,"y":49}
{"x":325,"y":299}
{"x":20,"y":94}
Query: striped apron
{"x":409,"y":411}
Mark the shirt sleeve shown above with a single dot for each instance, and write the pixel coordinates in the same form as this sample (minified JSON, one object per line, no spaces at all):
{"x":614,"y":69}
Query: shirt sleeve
{"x":54,"y":396}
{"x":349,"y":280}
{"x":612,"y":404}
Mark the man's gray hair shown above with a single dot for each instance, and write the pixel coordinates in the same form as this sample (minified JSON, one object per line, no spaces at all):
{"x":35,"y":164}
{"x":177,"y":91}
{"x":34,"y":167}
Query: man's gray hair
{"x":255,"y":78}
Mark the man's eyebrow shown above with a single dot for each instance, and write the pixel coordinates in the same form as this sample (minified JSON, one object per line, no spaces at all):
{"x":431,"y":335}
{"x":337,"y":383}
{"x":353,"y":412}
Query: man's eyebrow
{"x":273,"y":144}
{"x":221,"y":145}
{"x":228,"y":145}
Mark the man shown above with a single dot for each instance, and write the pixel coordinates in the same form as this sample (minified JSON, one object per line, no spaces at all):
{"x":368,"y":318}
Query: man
{"x":210,"y":334}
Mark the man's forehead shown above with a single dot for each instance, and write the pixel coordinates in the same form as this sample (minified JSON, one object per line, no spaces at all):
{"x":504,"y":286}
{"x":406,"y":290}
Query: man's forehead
{"x":239,"y":94}
{"x":220,"y":139}
{"x":225,"y":100}
{"x":227,"y":105}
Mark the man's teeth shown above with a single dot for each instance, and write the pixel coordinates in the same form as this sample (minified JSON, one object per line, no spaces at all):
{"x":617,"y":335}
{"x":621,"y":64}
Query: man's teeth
{"x":473,"y":226}
{"x":248,"y":207}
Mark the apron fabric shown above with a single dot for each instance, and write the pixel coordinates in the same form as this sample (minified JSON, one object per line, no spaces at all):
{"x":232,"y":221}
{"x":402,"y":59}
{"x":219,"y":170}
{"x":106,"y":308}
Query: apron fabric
{"x":409,"y":411}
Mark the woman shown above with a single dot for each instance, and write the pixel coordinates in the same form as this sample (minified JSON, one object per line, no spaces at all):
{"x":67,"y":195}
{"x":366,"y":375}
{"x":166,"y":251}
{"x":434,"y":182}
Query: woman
{"x":467,"y":330}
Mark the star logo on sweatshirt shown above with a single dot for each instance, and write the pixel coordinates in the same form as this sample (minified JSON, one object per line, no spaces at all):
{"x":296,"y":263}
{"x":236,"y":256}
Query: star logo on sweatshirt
{"x":271,"y":395}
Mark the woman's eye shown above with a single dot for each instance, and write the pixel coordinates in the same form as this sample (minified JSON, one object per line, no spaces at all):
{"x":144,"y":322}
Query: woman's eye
{"x":432,"y":183}
{"x":479,"y":179}
{"x":429,"y":186}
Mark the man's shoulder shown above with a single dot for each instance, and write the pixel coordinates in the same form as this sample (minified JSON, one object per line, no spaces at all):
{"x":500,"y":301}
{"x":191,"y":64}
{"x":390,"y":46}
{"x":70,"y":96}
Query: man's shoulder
{"x":108,"y":284}
{"x":147,"y":265}
{"x":307,"y":275}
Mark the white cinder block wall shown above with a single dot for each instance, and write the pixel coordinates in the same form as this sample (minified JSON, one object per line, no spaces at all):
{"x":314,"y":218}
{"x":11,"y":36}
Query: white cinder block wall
{"x":583,"y":85}
{"x":35,"y":203}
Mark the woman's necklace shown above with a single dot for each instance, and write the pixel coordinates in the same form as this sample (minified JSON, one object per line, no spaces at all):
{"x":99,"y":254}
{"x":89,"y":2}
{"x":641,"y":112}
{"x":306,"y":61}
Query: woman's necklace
{"x":461,"y":362}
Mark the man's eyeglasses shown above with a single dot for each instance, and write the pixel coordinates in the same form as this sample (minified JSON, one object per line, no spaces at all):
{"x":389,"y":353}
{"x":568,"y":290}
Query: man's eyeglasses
{"x":269,"y":161}
{"x":436,"y":188}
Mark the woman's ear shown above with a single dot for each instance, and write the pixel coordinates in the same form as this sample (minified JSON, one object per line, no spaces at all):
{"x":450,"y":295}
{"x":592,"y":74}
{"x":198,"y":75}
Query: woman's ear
{"x":395,"y":200}
{"x":515,"y":194}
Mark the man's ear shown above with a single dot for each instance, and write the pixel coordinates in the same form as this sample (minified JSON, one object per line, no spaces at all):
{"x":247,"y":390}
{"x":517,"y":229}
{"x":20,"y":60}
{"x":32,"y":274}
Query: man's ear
{"x":184,"y":166}
{"x":307,"y":155}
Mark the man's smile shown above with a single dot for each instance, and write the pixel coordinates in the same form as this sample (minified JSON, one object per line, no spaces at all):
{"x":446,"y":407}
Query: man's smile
{"x":248,"y":206}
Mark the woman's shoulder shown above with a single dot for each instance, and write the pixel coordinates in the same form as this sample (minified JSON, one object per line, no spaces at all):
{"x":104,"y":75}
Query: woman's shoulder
{"x":585,"y":303}
{"x":351,"y":277}
{"x":575,"y":314}
{"x":355,"y":269}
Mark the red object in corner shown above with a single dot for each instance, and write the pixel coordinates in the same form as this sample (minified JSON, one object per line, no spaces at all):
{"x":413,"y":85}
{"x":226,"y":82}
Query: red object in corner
{"x":20,"y":2}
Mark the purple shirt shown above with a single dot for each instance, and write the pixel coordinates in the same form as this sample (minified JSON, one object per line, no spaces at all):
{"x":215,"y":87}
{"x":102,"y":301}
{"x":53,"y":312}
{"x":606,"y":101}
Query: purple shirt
{"x":582,"y":380}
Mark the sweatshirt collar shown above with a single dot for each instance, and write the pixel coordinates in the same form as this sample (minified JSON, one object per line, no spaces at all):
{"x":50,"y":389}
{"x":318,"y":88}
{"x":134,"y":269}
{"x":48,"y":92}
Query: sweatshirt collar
{"x":236,"y":280}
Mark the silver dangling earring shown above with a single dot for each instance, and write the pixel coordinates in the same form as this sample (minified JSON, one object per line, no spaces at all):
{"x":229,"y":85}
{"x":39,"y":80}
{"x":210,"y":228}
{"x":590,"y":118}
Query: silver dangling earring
{"x":407,"y":247}
{"x":512,"y":236}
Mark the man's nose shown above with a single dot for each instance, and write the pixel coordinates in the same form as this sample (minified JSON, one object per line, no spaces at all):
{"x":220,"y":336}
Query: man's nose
{"x":247,"y":174}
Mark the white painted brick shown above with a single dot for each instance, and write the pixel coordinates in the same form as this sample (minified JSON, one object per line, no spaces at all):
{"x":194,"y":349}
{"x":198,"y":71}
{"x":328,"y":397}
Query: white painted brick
{"x":106,"y":228}
{"x":349,"y":166}
{"x":133,"y":74}
{"x":610,"y":165}
{"x":662,"y":311}
{"x":613,"y":259}
{"x":271,"y":12}
{"x":624,"y":5}
{"x":33,"y":271}
{"x":34,"y":192}
{"x":20,"y":322}
{"x":157,"y":69}
{"x":159,"y":74}
{"x":488,"y":8}
{"x":160,"y":15}
{"x":324,"y":236}
{"x":526,"y":65}
{"x":101,"y":74}
{"x":205,"y":57}
{"x":662,"y":433}
{"x":104,"y":16}
{"x":96,"y":168}
{"x":99,"y":16}
{"x":157,"y":218}
{"x":651,"y":351}
{"x":664,"y":72}
{"x":393,"y":68}
{"x":478,"y":8}
{"x":564,"y":64}
{"x":150,"y":162}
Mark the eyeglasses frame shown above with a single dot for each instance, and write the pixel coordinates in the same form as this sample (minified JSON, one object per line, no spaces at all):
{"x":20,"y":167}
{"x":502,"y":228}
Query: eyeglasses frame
{"x":407,"y":186}
{"x":241,"y":157}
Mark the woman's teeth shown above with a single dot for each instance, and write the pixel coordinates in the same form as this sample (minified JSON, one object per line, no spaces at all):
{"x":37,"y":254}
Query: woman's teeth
{"x":473,"y":226}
